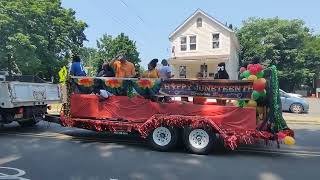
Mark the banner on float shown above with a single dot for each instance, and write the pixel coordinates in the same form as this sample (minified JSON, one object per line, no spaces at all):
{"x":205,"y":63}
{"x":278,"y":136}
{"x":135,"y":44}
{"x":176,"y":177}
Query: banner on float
{"x":224,"y":89}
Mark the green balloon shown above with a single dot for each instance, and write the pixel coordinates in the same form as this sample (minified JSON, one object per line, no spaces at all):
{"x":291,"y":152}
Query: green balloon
{"x":246,"y":74}
{"x":241,"y":103}
{"x":260,"y":74}
{"x":255,"y":95}
{"x":241,"y":76}
{"x":263,"y":94}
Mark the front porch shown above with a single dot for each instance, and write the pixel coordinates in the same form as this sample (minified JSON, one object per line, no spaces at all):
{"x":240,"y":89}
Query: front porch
{"x":189,"y":67}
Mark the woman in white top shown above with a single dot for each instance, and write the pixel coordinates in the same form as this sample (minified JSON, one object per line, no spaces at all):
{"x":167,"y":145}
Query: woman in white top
{"x":165,"y":70}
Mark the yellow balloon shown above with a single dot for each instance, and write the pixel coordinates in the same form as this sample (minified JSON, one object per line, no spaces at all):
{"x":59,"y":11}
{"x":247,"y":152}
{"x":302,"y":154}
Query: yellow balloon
{"x":252,"y":103}
{"x":288,"y":140}
{"x":252,"y":77}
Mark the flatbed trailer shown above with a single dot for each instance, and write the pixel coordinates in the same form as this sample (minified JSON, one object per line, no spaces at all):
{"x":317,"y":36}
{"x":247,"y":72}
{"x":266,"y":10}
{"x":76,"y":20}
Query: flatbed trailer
{"x":199,"y":126}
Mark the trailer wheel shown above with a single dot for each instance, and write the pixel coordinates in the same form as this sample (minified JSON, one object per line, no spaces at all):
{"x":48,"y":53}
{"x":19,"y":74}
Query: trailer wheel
{"x":198,"y":141}
{"x":163,"y":138}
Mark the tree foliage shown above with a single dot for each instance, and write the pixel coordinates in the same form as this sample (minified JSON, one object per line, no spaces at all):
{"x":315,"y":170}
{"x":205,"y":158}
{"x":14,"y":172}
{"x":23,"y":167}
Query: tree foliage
{"x":109,"y":47}
{"x":37,"y":35}
{"x":283,"y":43}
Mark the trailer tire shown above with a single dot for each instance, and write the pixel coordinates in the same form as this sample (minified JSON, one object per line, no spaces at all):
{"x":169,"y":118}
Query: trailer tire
{"x":198,"y":140}
{"x":163,"y":138}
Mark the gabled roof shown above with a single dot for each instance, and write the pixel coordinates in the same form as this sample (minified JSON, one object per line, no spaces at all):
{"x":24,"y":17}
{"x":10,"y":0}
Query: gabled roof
{"x":197,"y":12}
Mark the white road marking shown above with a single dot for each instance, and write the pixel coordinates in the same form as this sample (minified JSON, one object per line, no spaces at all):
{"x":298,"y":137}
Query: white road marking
{"x":16,"y":176}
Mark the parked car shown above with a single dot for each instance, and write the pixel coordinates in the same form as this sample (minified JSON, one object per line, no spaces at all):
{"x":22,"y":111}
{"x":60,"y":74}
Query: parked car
{"x":292,"y":94}
{"x":293,"y":103}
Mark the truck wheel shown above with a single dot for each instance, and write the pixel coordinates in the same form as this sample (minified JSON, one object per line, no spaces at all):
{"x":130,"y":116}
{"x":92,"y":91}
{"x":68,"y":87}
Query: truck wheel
{"x":32,"y":116}
{"x":163,"y":138}
{"x":198,"y":141}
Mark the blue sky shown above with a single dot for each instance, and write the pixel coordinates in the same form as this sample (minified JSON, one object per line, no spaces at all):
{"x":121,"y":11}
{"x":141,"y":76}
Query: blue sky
{"x":150,"y":22}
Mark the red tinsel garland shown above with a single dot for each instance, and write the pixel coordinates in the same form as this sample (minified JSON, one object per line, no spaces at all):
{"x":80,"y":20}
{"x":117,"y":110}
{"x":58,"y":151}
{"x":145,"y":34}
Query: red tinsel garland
{"x":232,"y":137}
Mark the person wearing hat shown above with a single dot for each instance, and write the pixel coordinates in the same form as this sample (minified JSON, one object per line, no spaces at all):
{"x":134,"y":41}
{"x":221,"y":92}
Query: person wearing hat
{"x":123,"y":68}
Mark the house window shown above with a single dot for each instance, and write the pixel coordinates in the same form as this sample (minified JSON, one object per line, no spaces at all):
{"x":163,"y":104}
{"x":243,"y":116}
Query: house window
{"x":199,"y":22}
{"x":215,"y":40}
{"x":182,"y":72}
{"x":183,"y":43}
{"x":193,"y":42}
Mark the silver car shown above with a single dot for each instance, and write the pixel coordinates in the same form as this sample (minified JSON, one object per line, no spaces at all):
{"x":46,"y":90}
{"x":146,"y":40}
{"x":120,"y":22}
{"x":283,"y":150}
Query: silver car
{"x":293,"y":103}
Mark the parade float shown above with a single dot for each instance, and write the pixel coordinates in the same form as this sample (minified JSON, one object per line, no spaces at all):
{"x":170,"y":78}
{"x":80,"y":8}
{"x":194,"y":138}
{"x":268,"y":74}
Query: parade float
{"x":255,"y":115}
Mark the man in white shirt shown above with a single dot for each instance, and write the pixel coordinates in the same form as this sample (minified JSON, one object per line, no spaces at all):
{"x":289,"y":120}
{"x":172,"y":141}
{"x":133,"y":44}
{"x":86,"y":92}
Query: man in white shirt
{"x":165,"y":73}
{"x":165,"y":70}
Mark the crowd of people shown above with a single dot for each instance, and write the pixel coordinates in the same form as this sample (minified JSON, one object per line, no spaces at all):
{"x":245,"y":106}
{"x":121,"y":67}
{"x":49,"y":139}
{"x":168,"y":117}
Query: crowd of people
{"x":120,"y":67}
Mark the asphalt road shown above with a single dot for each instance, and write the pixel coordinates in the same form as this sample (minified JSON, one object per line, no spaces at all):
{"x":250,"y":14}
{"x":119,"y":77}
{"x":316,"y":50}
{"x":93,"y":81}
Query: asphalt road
{"x":50,"y":152}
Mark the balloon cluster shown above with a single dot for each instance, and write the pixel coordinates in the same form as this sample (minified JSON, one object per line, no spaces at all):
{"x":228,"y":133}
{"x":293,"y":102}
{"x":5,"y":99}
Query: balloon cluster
{"x":288,"y":140}
{"x":255,"y":73}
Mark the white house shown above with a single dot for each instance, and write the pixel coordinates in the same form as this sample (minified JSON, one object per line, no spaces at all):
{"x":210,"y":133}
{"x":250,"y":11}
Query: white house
{"x":199,"y":44}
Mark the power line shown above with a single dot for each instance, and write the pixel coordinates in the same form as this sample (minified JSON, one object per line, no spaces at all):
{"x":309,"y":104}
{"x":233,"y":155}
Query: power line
{"x":126,"y":26}
{"x":136,"y":14}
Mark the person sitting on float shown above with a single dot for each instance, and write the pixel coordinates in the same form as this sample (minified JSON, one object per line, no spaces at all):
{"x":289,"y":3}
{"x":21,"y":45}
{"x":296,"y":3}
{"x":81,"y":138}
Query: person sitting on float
{"x":106,"y":71}
{"x":152,"y":72}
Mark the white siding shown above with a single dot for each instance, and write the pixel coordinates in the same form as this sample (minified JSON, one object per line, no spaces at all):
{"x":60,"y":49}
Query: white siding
{"x":204,"y":38}
{"x":234,"y":65}
{"x":227,"y":51}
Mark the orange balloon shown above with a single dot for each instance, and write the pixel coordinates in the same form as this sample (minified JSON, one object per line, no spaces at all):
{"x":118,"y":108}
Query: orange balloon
{"x":261,"y":80}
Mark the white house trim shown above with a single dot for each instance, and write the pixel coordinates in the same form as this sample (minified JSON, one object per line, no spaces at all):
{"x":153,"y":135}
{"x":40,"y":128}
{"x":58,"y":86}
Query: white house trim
{"x":199,"y":11}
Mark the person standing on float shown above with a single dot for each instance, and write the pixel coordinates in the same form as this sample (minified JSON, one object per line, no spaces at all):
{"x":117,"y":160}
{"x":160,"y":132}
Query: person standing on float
{"x":221,"y":74}
{"x":77,"y":68}
{"x":123,"y":68}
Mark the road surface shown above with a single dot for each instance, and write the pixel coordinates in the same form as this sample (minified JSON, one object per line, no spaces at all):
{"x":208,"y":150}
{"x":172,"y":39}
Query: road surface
{"x":50,"y":152}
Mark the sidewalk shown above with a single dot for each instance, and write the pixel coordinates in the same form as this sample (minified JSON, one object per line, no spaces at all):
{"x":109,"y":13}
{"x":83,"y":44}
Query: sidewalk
{"x":301,"y":119}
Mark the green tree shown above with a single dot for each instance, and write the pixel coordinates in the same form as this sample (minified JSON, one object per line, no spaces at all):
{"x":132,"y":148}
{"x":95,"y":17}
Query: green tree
{"x":278,"y":42}
{"x":109,"y":47}
{"x":89,"y":57}
{"x":38,"y":36}
{"x":312,"y":57}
